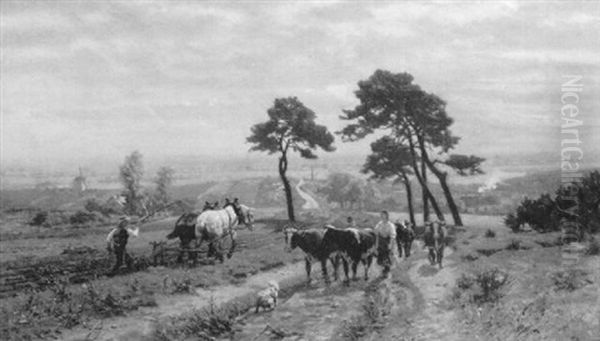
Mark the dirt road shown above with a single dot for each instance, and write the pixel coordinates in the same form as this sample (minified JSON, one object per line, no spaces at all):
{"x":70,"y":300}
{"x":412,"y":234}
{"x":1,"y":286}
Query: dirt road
{"x":424,"y":313}
{"x":138,"y":325}
{"x":310,"y":313}
{"x":310,"y":203}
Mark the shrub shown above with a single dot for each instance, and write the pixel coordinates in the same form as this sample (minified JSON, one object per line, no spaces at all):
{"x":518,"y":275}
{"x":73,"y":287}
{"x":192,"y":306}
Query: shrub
{"x":514,"y":244}
{"x":593,"y":247}
{"x":490,"y":234}
{"x":204,"y":324}
{"x":490,"y":282}
{"x":469,"y":257}
{"x":480,"y":287}
{"x":39,"y":219}
{"x":570,"y":280}
{"x":82,"y":217}
{"x":465,"y":282}
{"x":575,"y":201}
{"x":182,"y":286}
{"x":512,"y":222}
{"x":92,"y":205}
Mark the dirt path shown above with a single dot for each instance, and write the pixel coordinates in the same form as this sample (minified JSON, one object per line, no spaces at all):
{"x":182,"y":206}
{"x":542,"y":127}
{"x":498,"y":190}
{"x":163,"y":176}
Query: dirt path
{"x":433,"y":321}
{"x":138,"y":325}
{"x":310,"y":203}
{"x":313,"y":313}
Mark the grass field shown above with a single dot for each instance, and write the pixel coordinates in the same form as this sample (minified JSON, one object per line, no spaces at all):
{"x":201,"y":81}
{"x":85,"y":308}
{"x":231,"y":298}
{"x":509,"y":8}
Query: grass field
{"x":547,"y":293}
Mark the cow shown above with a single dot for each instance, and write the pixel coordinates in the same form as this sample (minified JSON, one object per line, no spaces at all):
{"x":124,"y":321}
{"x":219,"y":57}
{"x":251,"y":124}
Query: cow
{"x":405,"y":235}
{"x":309,"y":241}
{"x":212,"y":225}
{"x":354,"y":245}
{"x":435,"y":239}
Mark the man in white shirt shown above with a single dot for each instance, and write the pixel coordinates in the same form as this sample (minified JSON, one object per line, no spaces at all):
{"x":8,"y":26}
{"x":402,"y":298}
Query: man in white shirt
{"x":385,"y":240}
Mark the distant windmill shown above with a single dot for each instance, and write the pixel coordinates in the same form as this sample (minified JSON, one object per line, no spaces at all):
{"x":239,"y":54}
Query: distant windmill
{"x":80,"y":182}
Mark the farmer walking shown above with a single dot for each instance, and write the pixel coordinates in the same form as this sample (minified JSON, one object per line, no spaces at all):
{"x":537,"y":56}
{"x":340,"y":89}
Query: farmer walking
{"x":117,"y":242}
{"x":385,"y":239}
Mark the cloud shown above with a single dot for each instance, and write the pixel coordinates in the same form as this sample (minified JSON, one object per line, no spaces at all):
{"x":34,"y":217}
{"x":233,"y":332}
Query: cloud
{"x":175,"y":77}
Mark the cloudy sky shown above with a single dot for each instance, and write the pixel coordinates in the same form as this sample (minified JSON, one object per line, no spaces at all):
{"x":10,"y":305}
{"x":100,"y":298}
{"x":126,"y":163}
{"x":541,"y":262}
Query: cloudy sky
{"x":99,"y":79}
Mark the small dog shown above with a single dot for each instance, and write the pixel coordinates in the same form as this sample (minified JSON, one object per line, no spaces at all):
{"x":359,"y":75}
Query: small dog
{"x":267,"y":298}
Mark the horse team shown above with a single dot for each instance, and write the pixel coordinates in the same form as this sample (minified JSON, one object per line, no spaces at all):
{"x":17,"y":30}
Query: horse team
{"x":213,"y":225}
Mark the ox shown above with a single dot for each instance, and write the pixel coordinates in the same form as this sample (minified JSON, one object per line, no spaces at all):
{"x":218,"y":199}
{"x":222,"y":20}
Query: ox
{"x":405,"y":235}
{"x":435,"y":239}
{"x":310,"y":241}
{"x":212,"y":225}
{"x":354,"y":245}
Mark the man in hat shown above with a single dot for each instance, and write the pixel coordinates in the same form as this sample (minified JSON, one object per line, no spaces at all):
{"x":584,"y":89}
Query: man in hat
{"x":117,"y":242}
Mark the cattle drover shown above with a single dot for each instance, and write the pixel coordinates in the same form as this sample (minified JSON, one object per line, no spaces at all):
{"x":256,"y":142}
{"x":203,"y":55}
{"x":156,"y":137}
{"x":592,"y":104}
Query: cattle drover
{"x":435,"y":240}
{"x":117,"y":241}
{"x":213,"y":225}
{"x":385,"y":233}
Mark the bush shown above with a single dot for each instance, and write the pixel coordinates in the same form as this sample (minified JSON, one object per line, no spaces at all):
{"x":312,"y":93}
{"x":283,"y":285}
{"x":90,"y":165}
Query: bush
{"x":469,"y":257}
{"x":490,"y":282}
{"x":593,"y":247}
{"x":82,"y":217}
{"x":182,"y":286}
{"x":480,"y":287}
{"x":205,"y":324}
{"x":465,"y":282}
{"x":571,"y":202}
{"x":514,"y":244}
{"x":570,"y":280}
{"x":39,"y":219}
{"x":105,"y":209}
{"x":490,"y":234}
{"x":50,"y":218}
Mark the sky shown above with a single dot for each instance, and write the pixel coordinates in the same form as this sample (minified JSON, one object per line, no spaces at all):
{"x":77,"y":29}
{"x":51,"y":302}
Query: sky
{"x":83,"y":80}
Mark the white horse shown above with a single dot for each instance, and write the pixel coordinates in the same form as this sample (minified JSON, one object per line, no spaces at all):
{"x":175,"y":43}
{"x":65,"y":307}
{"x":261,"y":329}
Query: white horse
{"x":214,"y":225}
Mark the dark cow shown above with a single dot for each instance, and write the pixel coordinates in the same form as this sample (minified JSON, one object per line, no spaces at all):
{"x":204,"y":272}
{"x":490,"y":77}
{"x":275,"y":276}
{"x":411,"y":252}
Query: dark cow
{"x":354,"y":245}
{"x":405,"y":235}
{"x":435,"y":239}
{"x":310,"y":241}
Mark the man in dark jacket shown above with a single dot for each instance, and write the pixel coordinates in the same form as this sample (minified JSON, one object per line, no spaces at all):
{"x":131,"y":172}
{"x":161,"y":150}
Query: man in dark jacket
{"x":117,"y":242}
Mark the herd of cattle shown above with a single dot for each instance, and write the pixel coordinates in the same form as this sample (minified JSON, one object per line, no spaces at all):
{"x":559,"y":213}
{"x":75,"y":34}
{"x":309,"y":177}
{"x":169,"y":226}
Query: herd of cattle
{"x":352,"y":246}
{"x":349,"y":246}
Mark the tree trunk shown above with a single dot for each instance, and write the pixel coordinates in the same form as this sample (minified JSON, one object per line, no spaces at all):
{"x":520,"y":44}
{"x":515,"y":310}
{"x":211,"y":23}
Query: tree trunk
{"x":423,"y":184}
{"x":442,"y":176}
{"x":286,"y":186}
{"x":425,"y":201}
{"x":411,"y":211}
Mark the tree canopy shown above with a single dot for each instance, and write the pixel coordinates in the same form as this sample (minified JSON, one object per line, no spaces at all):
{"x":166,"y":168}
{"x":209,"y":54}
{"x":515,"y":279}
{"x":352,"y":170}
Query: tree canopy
{"x":291,"y":125}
